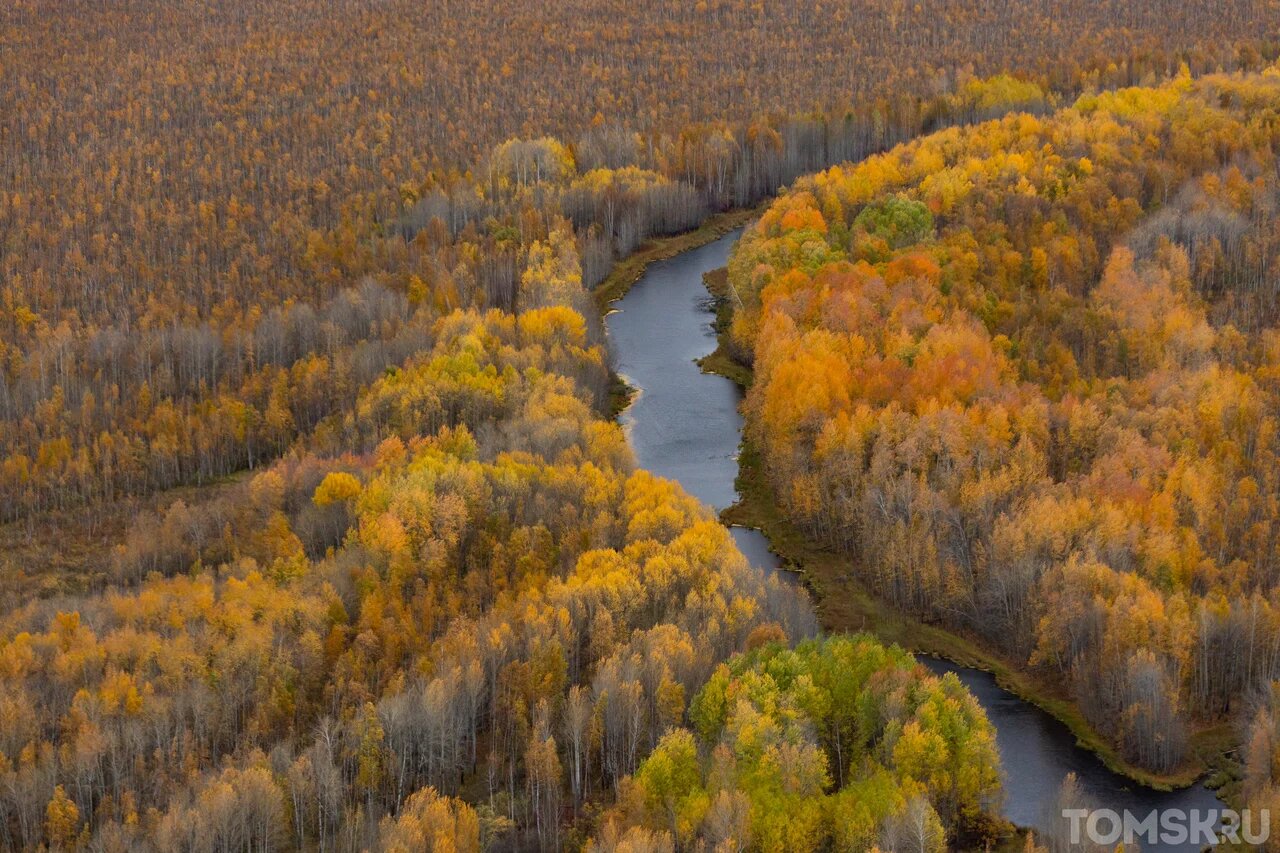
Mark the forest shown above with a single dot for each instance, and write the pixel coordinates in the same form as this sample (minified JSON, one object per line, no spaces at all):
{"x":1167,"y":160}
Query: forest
{"x":500,"y":608}
{"x":215,"y":228}
{"x":318,"y":533}
{"x":1024,"y":373}
{"x":469,"y":629}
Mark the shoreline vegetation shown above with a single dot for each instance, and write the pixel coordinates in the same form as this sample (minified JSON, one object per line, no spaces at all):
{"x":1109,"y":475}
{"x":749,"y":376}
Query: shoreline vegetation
{"x":627,"y":271}
{"x":842,"y":603}
{"x":1018,"y":385}
{"x":318,"y":533}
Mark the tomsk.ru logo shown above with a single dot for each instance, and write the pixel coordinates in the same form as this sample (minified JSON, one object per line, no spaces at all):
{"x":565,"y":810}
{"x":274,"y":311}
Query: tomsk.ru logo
{"x":1169,"y":826}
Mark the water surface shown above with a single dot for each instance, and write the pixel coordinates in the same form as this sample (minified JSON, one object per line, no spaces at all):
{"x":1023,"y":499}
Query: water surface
{"x":685,"y":424}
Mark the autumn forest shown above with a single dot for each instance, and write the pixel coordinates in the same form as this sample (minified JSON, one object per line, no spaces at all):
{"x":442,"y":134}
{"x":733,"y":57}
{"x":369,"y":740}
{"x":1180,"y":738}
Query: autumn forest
{"x":318,"y":531}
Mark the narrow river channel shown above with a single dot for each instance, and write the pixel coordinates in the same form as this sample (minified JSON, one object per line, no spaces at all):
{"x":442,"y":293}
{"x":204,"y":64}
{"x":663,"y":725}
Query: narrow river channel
{"x":684,"y":424}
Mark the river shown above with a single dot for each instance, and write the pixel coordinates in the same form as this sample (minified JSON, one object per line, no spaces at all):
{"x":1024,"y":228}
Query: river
{"x":685,"y":424}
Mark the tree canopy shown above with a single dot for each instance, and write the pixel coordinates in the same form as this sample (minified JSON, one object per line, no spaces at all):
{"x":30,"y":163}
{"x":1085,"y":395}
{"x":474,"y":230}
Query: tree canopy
{"x":1023,"y":371}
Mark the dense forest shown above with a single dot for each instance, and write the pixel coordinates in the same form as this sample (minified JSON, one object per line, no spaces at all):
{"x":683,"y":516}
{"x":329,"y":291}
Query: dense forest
{"x":304,"y":390}
{"x":487,"y":602}
{"x":1025,"y":373}
{"x":219,"y":218}
{"x":468,"y":630}
{"x":835,"y":745}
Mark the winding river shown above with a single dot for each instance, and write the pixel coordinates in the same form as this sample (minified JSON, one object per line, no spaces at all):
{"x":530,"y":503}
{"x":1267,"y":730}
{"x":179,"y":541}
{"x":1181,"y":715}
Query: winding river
{"x":685,"y":424}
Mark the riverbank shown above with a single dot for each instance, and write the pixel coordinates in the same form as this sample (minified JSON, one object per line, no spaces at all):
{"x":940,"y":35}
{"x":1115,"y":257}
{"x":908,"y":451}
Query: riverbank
{"x":844,"y":604}
{"x":627,"y":271}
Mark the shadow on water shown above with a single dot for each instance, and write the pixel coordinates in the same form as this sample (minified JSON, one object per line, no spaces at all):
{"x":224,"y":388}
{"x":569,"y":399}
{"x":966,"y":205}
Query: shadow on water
{"x":685,"y":424}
